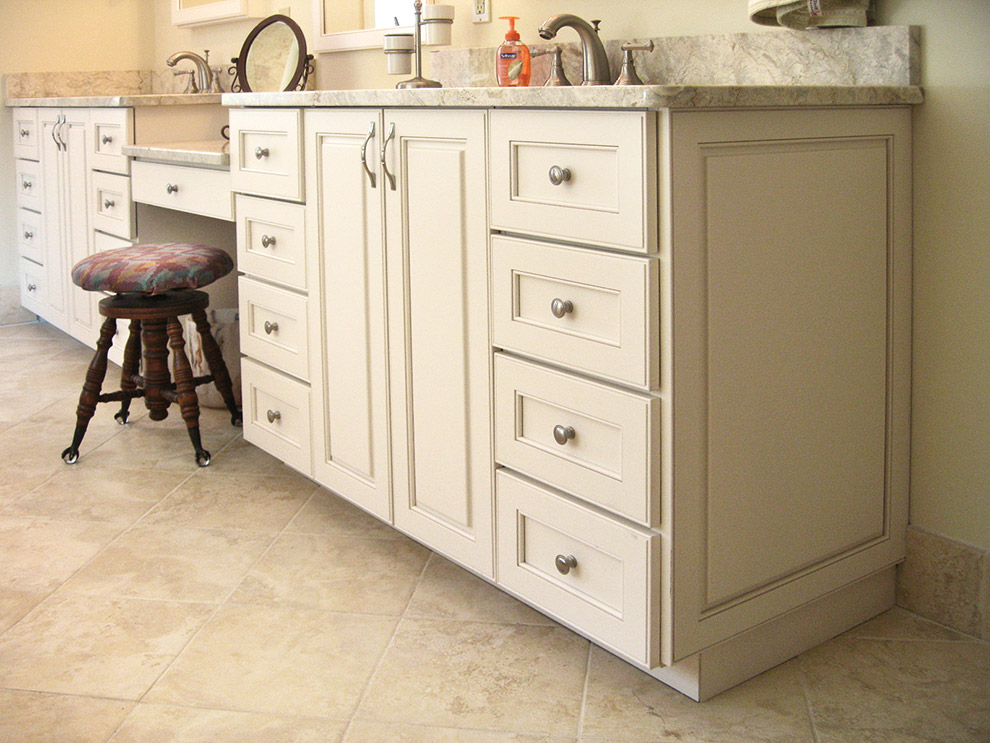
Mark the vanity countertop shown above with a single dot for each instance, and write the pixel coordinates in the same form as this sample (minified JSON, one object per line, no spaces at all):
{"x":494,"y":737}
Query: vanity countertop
{"x":117,"y":101}
{"x":606,"y":96}
{"x":209,"y":154}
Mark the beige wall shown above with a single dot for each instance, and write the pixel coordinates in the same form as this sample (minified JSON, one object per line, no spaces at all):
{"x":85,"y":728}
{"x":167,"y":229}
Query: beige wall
{"x":951,"y":435}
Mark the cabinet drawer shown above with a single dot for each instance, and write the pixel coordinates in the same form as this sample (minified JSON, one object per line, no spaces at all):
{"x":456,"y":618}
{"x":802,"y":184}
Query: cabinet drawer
{"x":29,"y":195}
{"x":274,"y":326}
{"x":113,"y":210}
{"x":193,"y":190}
{"x":587,"y":176}
{"x":103,"y":242}
{"x":276,"y":414}
{"x":593,"y":440}
{"x":271,"y":240}
{"x":110,"y":130}
{"x":26,"y":133}
{"x":594,"y":311}
{"x":610,"y":590}
{"x":265,"y":152}
{"x":32,"y":286}
{"x":30,"y":235}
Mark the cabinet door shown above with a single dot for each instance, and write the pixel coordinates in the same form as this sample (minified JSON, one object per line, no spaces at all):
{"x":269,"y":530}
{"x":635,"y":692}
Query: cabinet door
{"x":439,"y":355}
{"x":347,"y":307}
{"x":55,"y":308}
{"x":83,"y":318}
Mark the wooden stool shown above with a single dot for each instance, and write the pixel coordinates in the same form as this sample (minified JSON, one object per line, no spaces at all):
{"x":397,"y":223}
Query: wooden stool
{"x":154,"y":328}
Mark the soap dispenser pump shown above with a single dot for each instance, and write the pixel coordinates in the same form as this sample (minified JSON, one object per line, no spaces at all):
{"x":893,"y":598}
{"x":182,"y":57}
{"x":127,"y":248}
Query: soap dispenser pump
{"x":512,"y":60}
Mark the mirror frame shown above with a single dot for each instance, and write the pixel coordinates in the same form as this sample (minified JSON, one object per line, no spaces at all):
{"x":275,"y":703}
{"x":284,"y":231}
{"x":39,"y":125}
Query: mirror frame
{"x":304,"y":64}
{"x":340,"y":41}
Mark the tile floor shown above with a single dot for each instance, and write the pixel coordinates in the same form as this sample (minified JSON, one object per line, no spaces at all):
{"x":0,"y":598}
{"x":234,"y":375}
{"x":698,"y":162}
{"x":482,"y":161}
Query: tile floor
{"x":144,"y":599}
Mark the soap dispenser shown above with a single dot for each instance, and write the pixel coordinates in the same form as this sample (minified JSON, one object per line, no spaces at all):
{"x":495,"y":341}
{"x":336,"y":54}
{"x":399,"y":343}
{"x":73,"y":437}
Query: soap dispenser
{"x":512,"y":61}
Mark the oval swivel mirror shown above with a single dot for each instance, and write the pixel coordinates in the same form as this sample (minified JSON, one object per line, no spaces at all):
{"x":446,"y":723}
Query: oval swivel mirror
{"x":273,"y":58}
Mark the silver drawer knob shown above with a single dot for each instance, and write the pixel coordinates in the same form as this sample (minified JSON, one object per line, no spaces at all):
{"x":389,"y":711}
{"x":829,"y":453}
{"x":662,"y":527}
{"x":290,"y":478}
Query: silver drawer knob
{"x":563,"y":434}
{"x":25,"y":185}
{"x":106,"y":139}
{"x":32,"y":287}
{"x":565,"y":563}
{"x":270,"y":327}
{"x":558,"y":175}
{"x":28,"y":234}
{"x":267,"y":241}
{"x":108,"y":204}
{"x":24,"y":132}
{"x":274,"y":415}
{"x":170,"y":188}
{"x":261,"y":152}
{"x":560,"y":307}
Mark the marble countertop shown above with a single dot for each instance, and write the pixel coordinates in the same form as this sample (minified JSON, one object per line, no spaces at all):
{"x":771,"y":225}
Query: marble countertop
{"x":210,"y":154}
{"x":118,"y":101}
{"x":606,"y":96}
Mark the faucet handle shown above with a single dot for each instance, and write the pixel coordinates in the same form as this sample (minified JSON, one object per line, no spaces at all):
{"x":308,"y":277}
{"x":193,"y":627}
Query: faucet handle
{"x":595,"y":24}
{"x":628,"y":74}
{"x":556,"y":78}
{"x":191,"y":86}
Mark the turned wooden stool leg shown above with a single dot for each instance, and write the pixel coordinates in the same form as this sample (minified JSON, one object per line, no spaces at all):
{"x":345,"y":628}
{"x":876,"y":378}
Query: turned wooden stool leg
{"x":132,"y":363}
{"x":156,"y":375}
{"x":185,"y":389}
{"x":90,"y":394}
{"x":218,"y":368}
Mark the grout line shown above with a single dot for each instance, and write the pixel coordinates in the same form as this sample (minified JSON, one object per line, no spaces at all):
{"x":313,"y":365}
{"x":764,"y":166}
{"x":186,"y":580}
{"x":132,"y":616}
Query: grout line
{"x":808,"y":707}
{"x":584,"y":691}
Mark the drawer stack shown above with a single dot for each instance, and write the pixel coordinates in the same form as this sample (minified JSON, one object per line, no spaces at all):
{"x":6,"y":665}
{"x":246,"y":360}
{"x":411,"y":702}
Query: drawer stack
{"x":30,"y":238}
{"x":575,"y":326}
{"x":266,"y":173}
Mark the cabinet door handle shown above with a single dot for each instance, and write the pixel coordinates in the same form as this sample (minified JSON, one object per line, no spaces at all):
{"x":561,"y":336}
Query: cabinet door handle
{"x":58,"y":120}
{"x":28,"y":234}
{"x":106,"y":139}
{"x":563,"y":434}
{"x":61,"y":140}
{"x":565,"y":563}
{"x":364,"y":154}
{"x":169,"y":188}
{"x":558,"y":175}
{"x":388,"y":138}
{"x":267,"y":241}
{"x":260,"y":152}
{"x":560,"y":307}
{"x":274,"y":415}
{"x":270,"y":327}
{"x":108,"y":203}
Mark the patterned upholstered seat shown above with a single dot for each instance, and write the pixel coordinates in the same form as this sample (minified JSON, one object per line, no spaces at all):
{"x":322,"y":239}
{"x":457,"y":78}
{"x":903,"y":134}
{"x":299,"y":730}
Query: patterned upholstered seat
{"x":152,"y":269}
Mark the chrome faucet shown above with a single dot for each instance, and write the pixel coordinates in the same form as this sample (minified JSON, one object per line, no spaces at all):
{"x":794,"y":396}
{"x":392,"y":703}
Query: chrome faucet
{"x":204,"y":75}
{"x":596,"y":70}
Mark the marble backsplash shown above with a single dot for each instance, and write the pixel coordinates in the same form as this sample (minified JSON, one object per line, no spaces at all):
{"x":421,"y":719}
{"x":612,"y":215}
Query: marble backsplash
{"x":876,"y":55}
{"x":56,"y":84}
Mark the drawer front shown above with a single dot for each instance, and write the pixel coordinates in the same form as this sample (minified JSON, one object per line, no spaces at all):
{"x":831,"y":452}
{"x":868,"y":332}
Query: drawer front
{"x":113,"y":210}
{"x":587,"y":176}
{"x":32,"y":286}
{"x":110,"y":130}
{"x":103,"y":242}
{"x":29,"y":195}
{"x":274,"y":326}
{"x":271,"y":240}
{"x":276,"y":414}
{"x":265,"y":152}
{"x":30,"y":235}
{"x":610,"y":590}
{"x":594,"y":311}
{"x":26,"y":133}
{"x":593,"y":440}
{"x":193,"y":190}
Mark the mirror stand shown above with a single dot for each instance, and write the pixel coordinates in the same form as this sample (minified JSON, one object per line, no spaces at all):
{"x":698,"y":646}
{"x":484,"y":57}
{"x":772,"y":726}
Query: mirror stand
{"x":275,"y":49}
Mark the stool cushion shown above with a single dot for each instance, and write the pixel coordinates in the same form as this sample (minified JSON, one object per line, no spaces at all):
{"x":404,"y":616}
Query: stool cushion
{"x":152,"y":269}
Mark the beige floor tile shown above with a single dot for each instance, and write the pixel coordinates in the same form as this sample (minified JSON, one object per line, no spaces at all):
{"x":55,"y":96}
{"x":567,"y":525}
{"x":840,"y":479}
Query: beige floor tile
{"x":326,"y":513}
{"x":171,"y":563}
{"x":96,"y":646}
{"x":39,"y":443}
{"x":159,"y":723}
{"x":244,"y":458}
{"x":899,"y":624}
{"x":349,"y":574}
{"x":32,"y":717}
{"x":625,"y":704}
{"x":143,"y":445}
{"x":14,"y":605}
{"x":253,"y":502}
{"x":18,"y":481}
{"x":39,"y":554}
{"x":106,"y":495}
{"x":861,"y":690}
{"x":450,"y":592}
{"x":377,"y":732}
{"x":480,"y":675}
{"x":277,"y":660}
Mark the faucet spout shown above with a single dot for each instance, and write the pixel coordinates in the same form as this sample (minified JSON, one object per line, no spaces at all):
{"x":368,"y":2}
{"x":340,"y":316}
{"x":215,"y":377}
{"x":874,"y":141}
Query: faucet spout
{"x":204,"y":75}
{"x":596,"y":70}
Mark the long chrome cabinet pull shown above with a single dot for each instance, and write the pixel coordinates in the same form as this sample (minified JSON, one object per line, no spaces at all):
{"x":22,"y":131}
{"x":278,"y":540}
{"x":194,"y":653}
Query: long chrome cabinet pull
{"x":61,"y":139}
{"x":364,"y":154}
{"x":59,"y":144}
{"x":388,"y":138}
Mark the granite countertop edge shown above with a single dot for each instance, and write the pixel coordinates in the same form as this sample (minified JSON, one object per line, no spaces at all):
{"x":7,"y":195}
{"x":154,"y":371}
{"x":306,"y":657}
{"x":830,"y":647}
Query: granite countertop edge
{"x":117,"y":101}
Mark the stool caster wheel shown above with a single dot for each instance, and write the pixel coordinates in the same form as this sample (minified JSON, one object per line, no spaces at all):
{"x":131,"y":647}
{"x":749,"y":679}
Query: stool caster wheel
{"x":203,"y":458}
{"x":121,"y":417}
{"x":70,"y":455}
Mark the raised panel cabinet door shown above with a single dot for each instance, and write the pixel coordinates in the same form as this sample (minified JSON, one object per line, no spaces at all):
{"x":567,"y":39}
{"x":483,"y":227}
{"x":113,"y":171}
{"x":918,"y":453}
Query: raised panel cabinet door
{"x":84,"y":320}
{"x":439,"y":356}
{"x":346,"y":277}
{"x":55,"y":308}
